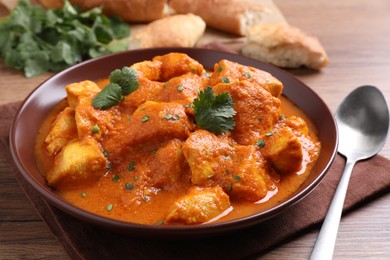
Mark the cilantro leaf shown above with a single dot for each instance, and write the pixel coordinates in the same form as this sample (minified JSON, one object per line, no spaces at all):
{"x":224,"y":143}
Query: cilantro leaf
{"x":37,"y":40}
{"x":110,"y":96}
{"x":126,"y":78}
{"x":214,"y":112}
{"x":122,"y":82}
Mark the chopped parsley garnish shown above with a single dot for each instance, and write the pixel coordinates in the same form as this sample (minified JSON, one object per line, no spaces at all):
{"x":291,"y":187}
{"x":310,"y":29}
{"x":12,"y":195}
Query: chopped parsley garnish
{"x":36,"y":40}
{"x":236,"y":177}
{"x":145,"y":118}
{"x":172,"y":117}
{"x":180,"y":88}
{"x":220,"y":69}
{"x":128,"y":186}
{"x":268,"y":134}
{"x":214,"y":112}
{"x":260,"y":143}
{"x":131,"y":166}
{"x":106,"y":154}
{"x":109,"y":207}
{"x":83,"y":195}
{"x":122,"y":83}
{"x":247,"y":74}
{"x":115,"y":178}
{"x":95,"y":129}
{"x":225,"y":80}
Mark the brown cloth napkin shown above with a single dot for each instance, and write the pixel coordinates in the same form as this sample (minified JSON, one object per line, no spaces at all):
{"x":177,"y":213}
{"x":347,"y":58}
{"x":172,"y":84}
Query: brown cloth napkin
{"x":84,"y":241}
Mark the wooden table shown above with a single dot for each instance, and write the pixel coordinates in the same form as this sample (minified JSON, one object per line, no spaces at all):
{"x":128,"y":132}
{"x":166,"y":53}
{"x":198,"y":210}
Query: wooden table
{"x":356,"y":35}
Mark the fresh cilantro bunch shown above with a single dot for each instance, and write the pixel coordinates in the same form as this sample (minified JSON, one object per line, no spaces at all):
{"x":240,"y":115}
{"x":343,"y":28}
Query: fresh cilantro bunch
{"x":122,"y":83}
{"x":214,"y":112}
{"x":37,"y":40}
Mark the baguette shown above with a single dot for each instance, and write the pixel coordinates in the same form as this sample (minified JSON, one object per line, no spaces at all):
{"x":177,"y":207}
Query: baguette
{"x":172,"y":31}
{"x":285,"y":46}
{"x":233,"y":16}
{"x":128,"y":10}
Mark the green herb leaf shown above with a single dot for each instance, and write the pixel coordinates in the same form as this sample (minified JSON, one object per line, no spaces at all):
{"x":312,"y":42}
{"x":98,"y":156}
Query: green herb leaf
{"x":214,"y":112}
{"x":108,"y":97}
{"x":225,"y":80}
{"x":129,"y":186}
{"x":126,"y":78}
{"x":145,"y":118}
{"x":95,"y":129}
{"x":131,"y":166}
{"x":116,"y":178}
{"x":37,"y":40}
{"x":260,"y":143}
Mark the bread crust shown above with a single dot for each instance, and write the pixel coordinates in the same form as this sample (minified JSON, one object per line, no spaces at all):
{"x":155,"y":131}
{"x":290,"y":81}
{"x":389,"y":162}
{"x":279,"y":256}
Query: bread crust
{"x":128,"y":10}
{"x":233,"y":16}
{"x":285,"y":46}
{"x":172,"y":31}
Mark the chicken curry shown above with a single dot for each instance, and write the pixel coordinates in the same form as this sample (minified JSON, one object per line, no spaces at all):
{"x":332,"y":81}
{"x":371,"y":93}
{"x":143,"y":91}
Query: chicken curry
{"x":165,"y":141}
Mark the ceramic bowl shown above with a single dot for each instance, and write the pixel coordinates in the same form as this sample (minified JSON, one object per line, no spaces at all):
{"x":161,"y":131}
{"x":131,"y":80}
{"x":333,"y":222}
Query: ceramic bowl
{"x":37,"y":105}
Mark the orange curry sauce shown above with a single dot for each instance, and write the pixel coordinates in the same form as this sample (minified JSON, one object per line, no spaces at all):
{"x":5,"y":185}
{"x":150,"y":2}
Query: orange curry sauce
{"x":166,"y":170}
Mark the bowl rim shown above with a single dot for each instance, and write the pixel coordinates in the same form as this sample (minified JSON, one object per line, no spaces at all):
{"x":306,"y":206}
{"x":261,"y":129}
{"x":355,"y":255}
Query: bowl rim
{"x":167,"y":230}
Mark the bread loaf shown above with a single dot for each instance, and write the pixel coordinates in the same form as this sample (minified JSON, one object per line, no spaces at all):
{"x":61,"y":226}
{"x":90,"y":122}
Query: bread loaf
{"x":233,"y":16}
{"x":285,"y":46}
{"x":128,"y":10}
{"x":172,"y":31}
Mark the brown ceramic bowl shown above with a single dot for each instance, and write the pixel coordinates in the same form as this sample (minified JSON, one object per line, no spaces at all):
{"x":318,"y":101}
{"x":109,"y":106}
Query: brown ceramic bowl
{"x":37,"y":105}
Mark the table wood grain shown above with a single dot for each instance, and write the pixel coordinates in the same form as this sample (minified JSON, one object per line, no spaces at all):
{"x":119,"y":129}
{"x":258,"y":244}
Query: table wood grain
{"x":356,"y":35}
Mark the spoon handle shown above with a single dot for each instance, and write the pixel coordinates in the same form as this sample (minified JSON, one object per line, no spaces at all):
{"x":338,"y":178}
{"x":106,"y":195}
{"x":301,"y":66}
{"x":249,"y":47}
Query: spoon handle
{"x":324,"y":246}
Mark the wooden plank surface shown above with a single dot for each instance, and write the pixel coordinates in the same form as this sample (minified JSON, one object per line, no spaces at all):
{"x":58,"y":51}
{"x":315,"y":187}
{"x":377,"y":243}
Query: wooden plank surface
{"x":356,"y":35}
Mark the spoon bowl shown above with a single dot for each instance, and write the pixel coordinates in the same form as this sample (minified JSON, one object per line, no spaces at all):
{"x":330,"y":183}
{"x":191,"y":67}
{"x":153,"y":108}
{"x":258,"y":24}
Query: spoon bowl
{"x":363,"y":123}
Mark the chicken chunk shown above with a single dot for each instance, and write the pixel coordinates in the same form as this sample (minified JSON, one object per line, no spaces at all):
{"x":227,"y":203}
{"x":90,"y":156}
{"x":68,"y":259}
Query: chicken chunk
{"x":207,"y":156}
{"x":198,"y":206}
{"x":250,"y":179}
{"x":177,"y":64}
{"x":78,"y":163}
{"x":148,"y":90}
{"x":151,"y":122}
{"x":231,"y":71}
{"x":150,"y":70}
{"x":297,"y":125}
{"x":257,"y":110}
{"x":92,"y":121}
{"x":168,"y":166}
{"x":283,"y":149}
{"x":214,"y":160}
{"x":183,"y":89}
{"x":81,"y":89}
{"x":62,"y":131}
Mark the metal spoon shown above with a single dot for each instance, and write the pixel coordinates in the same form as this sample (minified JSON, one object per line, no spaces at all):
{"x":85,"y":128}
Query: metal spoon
{"x":363,"y":123}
